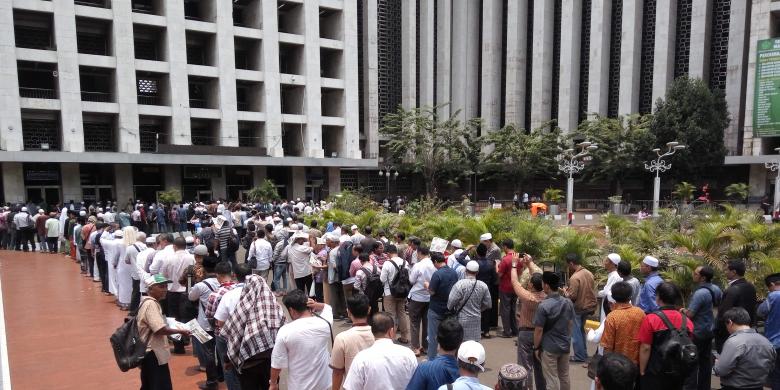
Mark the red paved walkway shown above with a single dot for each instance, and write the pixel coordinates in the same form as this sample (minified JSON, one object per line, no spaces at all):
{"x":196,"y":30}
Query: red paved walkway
{"x":57,"y":327}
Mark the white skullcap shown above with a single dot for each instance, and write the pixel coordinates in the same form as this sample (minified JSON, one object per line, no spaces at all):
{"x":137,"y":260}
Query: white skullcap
{"x":486,"y":237}
{"x":456,"y":243}
{"x":614,"y":258}
{"x":354,"y":227}
{"x":651,"y":261}
{"x":472,"y":266}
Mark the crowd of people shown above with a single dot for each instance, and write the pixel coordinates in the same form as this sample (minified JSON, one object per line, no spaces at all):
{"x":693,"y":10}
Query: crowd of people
{"x":273,"y":311}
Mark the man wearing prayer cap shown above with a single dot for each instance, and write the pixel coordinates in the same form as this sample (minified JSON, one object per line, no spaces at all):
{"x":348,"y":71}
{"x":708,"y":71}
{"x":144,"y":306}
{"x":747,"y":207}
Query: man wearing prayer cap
{"x":649,"y":268}
{"x":610,"y":265}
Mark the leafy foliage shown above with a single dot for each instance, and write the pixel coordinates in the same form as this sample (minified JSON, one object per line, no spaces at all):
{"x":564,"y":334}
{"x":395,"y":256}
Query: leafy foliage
{"x":354,"y":201}
{"x":169,"y":197}
{"x":553,"y":195}
{"x":738,"y":191}
{"x":684,"y":191}
{"x":265,"y":192}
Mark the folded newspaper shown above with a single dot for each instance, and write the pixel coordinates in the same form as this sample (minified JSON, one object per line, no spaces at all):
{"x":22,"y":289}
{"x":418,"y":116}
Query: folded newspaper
{"x":193,"y":326}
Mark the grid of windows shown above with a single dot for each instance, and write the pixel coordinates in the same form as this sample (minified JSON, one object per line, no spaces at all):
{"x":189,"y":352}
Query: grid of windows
{"x":99,"y":137}
{"x":585,"y":58}
{"x":529,"y":65}
{"x":648,"y":56}
{"x":614,"y":58}
{"x":682,"y":49}
{"x":719,"y":49}
{"x":389,"y":55}
{"x":556,"y":75}
{"x":39,"y":134}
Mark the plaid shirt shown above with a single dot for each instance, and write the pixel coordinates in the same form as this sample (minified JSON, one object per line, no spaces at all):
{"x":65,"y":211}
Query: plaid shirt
{"x":215,"y":297}
{"x":253,"y":326}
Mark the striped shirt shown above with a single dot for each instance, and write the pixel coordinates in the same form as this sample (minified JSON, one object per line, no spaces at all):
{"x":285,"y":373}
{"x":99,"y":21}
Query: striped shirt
{"x":527,"y":302}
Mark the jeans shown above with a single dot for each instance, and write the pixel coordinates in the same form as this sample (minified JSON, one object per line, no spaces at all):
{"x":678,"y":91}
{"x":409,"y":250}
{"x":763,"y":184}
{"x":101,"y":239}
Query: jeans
{"x":578,"y":338}
{"x":508,"y":320}
{"x":42,"y":242}
{"x":555,"y":367}
{"x":418,"y":313}
{"x":153,"y":375}
{"x":174,"y":303}
{"x":526,"y":358}
{"x":207,"y":359}
{"x":231,"y":377}
{"x":433,"y":328}
{"x":280,"y":275}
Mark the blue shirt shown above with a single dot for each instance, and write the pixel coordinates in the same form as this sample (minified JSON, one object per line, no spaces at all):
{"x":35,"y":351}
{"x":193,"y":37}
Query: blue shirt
{"x":701,"y":306}
{"x":430,"y":375}
{"x":466,"y":383}
{"x":441,"y":284}
{"x":647,"y":295}
{"x":770,"y":309}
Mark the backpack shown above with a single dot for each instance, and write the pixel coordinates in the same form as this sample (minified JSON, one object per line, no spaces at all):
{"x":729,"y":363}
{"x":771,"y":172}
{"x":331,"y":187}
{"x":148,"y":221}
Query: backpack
{"x":233,"y":243}
{"x":677,"y":352}
{"x":344,"y":260}
{"x":129,"y":349}
{"x":400,"y":285}
{"x":374,"y":287}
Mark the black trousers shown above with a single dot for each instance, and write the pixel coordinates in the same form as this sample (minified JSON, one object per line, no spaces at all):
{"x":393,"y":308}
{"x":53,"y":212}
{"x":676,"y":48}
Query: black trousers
{"x":508,"y":315}
{"x":51,"y":242}
{"x":661,"y":382}
{"x":175,"y":307}
{"x":701,"y":378}
{"x":304,"y":283}
{"x":258,"y":375}
{"x":102,"y":270}
{"x":90,"y":263}
{"x":23,"y":237}
{"x":153,"y":375}
{"x":135,"y":297}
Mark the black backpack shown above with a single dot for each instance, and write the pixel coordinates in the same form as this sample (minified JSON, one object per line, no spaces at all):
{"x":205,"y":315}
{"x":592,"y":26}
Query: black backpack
{"x":233,"y":243}
{"x":129,"y":349}
{"x":400,"y":285}
{"x":677,"y":352}
{"x":374,"y":287}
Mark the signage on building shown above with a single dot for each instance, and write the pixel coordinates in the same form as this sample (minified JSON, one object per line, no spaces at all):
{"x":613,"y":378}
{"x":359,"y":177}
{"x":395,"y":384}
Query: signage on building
{"x":32,"y":175}
{"x":766,"y":111}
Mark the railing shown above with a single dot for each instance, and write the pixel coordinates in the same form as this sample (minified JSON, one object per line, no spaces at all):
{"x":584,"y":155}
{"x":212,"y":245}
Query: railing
{"x":93,"y":3}
{"x":104,"y":97}
{"x":92,"y":44}
{"x":146,"y":8}
{"x":146,"y":50}
{"x":198,"y":103}
{"x":243,"y":106}
{"x":33,"y":38}
{"x":37,"y":93}
{"x":150,"y":100}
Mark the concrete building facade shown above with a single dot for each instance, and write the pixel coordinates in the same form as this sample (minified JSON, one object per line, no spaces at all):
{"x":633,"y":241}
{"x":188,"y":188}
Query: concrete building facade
{"x":526,"y":62}
{"x":120,"y":99}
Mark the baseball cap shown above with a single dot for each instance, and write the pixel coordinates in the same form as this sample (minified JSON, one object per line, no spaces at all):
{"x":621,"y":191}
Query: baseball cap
{"x":473,"y":353}
{"x":156,"y":279}
{"x":201,"y":250}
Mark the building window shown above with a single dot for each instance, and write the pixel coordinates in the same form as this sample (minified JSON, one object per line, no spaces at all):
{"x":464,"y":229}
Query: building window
{"x":614,"y":58}
{"x":719,"y":49}
{"x":37,"y":80}
{"x":389,"y":53}
{"x":682,"y":50}
{"x":150,"y":89}
{"x":585,"y":59}
{"x":41,"y":131}
{"x":96,"y":84}
{"x":556,"y":76}
{"x":93,"y":36}
{"x":529,"y":64}
{"x":33,"y":30}
{"x":647,"y":58}
{"x":99,"y":133}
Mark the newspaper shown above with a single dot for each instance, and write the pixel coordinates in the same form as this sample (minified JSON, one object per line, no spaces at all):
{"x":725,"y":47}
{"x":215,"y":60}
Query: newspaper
{"x":439,"y":245}
{"x":193,"y":326}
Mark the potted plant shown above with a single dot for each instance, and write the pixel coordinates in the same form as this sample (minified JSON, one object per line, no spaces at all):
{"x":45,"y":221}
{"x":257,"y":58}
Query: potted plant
{"x":553,"y":197}
{"x":738,"y":192}
{"x":617,"y":204}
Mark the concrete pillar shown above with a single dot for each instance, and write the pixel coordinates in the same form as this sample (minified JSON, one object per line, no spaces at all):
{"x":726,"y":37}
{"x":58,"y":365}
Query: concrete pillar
{"x":172,"y":177}
{"x":443,"y":57}
{"x":129,"y":138}
{"x":259,"y":174}
{"x":177,"y":76}
{"x":219,"y":186}
{"x":334,"y":180}
{"x":665,"y":38}
{"x":226,"y":66}
{"x":69,"y":85}
{"x":312,"y":142}
{"x":465,"y":59}
{"x":492,"y":47}
{"x":516,"y":60}
{"x":758,"y":180}
{"x":598,"y":73}
{"x":297,"y":183}
{"x":71,"y":181}
{"x":350,"y":138}
{"x":273,"y":107}
{"x":747,"y":25}
{"x":569,"y":73}
{"x":630,"y":57}
{"x":408,"y":53}
{"x":541,"y":79}
{"x":13,"y":182}
{"x":701,"y":26}
{"x":10,"y":116}
{"x":427,"y":26}
{"x":370,"y":77}
{"x":124,"y":182}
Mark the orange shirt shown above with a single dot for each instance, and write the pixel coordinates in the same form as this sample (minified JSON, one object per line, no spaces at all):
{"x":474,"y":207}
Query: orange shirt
{"x":620,"y":330}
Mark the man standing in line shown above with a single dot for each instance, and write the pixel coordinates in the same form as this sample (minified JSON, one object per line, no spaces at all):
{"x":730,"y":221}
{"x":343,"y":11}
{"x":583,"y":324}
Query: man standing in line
{"x":471,"y":358}
{"x":705,"y":297}
{"x":740,"y":293}
{"x":582,"y":292}
{"x":261,"y":251}
{"x":419,"y":299}
{"x":528,"y":301}
{"x":770,"y":311}
{"x":493,"y":255}
{"x":440,"y":286}
{"x":622,"y":324}
{"x":747,"y":357}
{"x":624,"y":270}
{"x":610,"y":265}
{"x":172,"y":267}
{"x":507,"y":297}
{"x":433,"y":373}
{"x":52,"y":232}
{"x":40,"y":229}
{"x":394,"y":305}
{"x":649,"y":268}
{"x":24,"y":230}
{"x":552,"y":331}
{"x":350,"y":342}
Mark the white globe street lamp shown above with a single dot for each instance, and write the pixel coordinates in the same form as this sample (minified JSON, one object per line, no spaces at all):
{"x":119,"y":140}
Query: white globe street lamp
{"x":570,"y":163}
{"x":659,"y":165}
{"x":389,"y":171}
{"x":775,"y":167}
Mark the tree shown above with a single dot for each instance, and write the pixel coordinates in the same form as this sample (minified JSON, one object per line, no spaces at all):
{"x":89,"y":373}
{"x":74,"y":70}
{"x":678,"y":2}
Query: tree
{"x":169,"y":197}
{"x":431,"y":146}
{"x":265,"y":192}
{"x":684,"y":191}
{"x":624,"y":144}
{"x":737,"y":191}
{"x":517,"y":156}
{"x":695,"y":116}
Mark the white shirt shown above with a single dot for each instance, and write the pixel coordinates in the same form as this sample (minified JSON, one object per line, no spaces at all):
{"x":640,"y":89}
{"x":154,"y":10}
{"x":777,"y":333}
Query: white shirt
{"x":421,"y":273}
{"x":262,"y":251}
{"x":140,"y":262}
{"x":388,"y":272}
{"x":384,"y":365}
{"x":173,"y":266}
{"x":158,"y":258}
{"x":452,"y":262}
{"x":302,"y":347}
{"x":228,"y":303}
{"x":612,"y":278}
{"x":298,"y":256}
{"x":136,"y":215}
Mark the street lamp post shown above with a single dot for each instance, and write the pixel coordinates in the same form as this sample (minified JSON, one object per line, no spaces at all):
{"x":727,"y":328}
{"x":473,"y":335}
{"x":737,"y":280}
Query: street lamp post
{"x":571,"y":163}
{"x":775,"y":167}
{"x":388,"y":171}
{"x":659,"y":165}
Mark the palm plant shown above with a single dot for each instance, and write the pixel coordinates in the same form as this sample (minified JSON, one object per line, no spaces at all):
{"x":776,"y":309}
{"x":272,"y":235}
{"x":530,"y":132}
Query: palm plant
{"x":533,"y":236}
{"x":684,"y":191}
{"x":568,"y":241}
{"x":618,"y":227}
{"x":708,"y":242}
{"x":552,"y":195}
{"x":737,"y":191}
{"x":680,"y":272}
{"x":265,"y":192}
